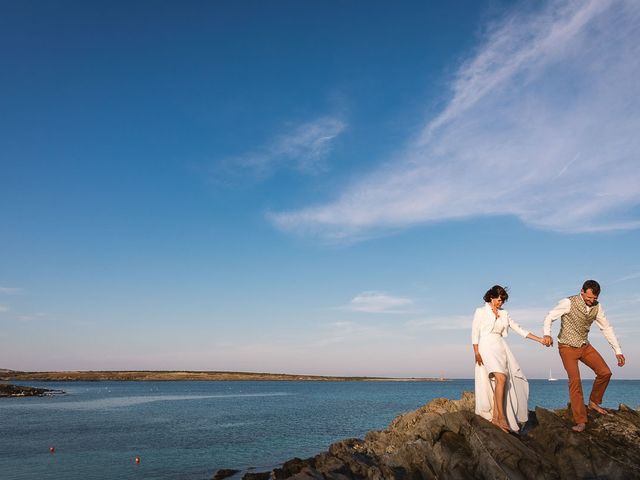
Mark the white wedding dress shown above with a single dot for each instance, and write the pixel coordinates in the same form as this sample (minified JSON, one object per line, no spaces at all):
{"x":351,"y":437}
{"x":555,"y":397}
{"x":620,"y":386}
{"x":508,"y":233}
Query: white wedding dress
{"x":497,"y":357}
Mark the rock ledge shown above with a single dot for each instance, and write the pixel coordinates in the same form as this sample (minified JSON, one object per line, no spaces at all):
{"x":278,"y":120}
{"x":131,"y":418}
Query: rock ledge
{"x":446,"y":440}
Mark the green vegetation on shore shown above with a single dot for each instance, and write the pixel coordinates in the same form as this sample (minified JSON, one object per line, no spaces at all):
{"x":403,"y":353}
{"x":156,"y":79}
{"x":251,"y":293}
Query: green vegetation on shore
{"x":156,"y":375}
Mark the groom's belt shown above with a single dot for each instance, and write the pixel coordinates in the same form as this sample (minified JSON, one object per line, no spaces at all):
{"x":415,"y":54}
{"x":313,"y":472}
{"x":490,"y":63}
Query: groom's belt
{"x":584,"y":344}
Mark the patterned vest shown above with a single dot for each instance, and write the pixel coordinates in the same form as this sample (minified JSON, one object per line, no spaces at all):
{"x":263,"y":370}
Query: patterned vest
{"x":575,"y":325}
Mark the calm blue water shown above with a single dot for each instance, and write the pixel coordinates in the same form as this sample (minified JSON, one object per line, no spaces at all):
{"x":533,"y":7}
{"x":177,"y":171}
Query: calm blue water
{"x":187,"y":430}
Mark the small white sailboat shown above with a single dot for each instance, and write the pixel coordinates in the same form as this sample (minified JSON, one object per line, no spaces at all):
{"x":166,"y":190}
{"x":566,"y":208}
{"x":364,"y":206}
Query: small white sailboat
{"x":551,"y":379}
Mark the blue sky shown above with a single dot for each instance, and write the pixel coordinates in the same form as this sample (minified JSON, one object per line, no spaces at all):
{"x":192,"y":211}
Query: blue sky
{"x":312,"y":187}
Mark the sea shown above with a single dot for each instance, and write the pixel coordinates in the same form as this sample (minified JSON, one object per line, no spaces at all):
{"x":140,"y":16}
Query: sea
{"x":188,"y":430}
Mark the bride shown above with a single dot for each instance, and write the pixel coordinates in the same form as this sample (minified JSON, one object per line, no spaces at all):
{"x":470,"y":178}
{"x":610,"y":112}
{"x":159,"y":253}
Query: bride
{"x":502,"y":390}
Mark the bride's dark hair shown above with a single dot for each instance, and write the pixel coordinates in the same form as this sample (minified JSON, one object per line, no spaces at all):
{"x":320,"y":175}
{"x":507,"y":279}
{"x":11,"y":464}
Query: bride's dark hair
{"x":496,"y":292}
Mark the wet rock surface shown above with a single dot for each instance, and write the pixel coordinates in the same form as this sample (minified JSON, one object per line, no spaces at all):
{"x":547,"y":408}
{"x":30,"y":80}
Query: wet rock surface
{"x":446,"y":440}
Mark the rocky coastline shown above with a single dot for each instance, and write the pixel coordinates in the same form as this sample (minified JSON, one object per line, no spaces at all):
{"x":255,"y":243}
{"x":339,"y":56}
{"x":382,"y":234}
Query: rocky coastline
{"x":445,"y":440}
{"x":10,"y":390}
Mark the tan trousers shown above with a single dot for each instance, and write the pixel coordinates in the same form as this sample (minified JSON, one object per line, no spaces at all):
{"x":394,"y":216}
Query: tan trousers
{"x":592,"y":359}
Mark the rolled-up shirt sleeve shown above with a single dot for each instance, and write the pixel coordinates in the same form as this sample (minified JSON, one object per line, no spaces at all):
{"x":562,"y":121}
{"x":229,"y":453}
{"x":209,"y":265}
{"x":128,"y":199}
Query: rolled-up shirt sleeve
{"x":560,"y":309}
{"x":517,"y":328}
{"x":475,"y":328}
{"x":607,"y":331}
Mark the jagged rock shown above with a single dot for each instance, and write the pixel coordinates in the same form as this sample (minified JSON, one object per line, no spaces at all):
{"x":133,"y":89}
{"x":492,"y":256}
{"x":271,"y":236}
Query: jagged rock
{"x":224,"y":473}
{"x":445,"y":440}
{"x":257,"y":476}
{"x":290,"y":468}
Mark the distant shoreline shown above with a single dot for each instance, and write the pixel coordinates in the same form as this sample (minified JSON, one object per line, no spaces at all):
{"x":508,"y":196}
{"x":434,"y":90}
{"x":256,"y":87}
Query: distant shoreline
{"x":156,"y":375}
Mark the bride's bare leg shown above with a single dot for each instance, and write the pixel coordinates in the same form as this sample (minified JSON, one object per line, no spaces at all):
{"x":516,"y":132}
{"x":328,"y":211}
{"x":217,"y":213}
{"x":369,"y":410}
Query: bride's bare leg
{"x":499,"y":417}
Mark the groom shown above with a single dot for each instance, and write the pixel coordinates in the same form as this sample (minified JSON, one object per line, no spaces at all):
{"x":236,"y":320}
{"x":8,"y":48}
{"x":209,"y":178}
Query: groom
{"x":577,"y":313}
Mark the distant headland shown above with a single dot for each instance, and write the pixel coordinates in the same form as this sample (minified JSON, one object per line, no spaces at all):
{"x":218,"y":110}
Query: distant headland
{"x":158,"y":375}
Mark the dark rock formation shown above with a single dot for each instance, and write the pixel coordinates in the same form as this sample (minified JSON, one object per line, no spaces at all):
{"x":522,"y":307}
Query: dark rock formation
{"x":225,"y":473}
{"x":257,"y":476}
{"x":446,"y":440}
{"x":9,"y":390}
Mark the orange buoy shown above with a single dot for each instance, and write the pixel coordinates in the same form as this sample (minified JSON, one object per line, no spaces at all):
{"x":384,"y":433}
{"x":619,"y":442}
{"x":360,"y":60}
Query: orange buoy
{"x":52,"y":450}
{"x":137,"y":460}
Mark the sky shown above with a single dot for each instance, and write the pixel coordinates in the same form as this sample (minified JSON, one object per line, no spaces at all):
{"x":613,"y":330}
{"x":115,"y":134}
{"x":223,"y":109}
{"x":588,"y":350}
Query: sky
{"x":318,"y":187}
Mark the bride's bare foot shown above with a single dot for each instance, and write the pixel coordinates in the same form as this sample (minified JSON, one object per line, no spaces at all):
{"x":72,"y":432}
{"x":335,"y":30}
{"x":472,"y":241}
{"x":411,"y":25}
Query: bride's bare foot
{"x":595,"y":407}
{"x":501,"y":424}
{"x":579,"y":427}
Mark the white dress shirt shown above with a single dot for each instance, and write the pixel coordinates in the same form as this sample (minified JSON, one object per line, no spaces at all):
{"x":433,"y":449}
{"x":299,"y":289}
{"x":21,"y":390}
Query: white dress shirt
{"x":564,"y":306}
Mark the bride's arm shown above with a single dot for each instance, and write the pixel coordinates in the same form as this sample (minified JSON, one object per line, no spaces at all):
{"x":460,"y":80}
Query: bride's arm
{"x":521,"y":331}
{"x":476,"y":352}
{"x":475,"y":336}
{"x":535,"y":337}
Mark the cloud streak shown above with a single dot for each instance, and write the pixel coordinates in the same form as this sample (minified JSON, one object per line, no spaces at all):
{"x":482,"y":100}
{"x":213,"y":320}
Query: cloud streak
{"x":453,"y":322}
{"x":303,"y":148}
{"x":10,"y":291}
{"x":541,"y":124}
{"x":379,"y":302}
{"x":626,"y":278}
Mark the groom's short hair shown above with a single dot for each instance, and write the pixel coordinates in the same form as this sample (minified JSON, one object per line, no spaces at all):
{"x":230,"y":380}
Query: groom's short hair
{"x":591,"y":285}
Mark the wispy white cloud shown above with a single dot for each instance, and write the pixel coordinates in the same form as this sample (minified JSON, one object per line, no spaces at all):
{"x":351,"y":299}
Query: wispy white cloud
{"x":10,"y":291}
{"x":20,"y":317}
{"x":528,"y":318}
{"x":344,"y":331}
{"x":303,"y":148}
{"x":531,"y":318}
{"x":541,"y":124}
{"x":626,"y":278}
{"x":453,"y":322}
{"x":379,"y":302}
